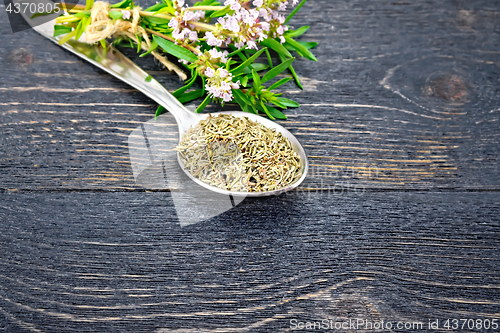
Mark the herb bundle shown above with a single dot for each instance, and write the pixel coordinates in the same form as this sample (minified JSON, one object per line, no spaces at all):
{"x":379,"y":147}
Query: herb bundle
{"x":239,"y":155}
{"x":220,"y":46}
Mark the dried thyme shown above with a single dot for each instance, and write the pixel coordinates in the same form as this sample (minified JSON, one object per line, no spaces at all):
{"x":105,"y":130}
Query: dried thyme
{"x":239,"y":155}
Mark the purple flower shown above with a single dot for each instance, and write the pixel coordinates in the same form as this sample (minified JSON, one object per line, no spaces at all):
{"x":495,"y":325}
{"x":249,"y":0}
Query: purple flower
{"x":220,"y":84}
{"x":125,"y":14}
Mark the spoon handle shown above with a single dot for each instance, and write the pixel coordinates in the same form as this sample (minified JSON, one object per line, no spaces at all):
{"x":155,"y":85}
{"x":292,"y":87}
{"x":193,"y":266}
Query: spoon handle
{"x":115,"y":63}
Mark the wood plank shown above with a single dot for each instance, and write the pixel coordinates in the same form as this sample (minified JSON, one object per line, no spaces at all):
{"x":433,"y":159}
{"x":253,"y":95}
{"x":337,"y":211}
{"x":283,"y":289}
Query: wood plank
{"x":404,"y":95}
{"x":121,"y":261}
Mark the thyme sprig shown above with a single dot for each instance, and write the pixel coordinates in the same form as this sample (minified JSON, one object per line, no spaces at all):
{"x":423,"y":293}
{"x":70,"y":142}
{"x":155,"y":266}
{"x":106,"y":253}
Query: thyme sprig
{"x":221,"y":46}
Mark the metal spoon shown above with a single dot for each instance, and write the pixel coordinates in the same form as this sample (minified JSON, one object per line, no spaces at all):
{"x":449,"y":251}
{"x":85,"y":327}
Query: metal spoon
{"x":118,"y":65}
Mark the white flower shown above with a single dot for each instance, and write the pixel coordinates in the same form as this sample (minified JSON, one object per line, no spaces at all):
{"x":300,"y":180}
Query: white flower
{"x":212,"y":40}
{"x":235,"y":5}
{"x":231,"y":24}
{"x":216,"y":55}
{"x":173,"y":23}
{"x":193,"y":36}
{"x":252,"y":45}
{"x":125,"y":14}
{"x":189,"y":15}
{"x":222,"y":72}
{"x":209,"y":72}
{"x":181,"y":23}
{"x":220,"y":84}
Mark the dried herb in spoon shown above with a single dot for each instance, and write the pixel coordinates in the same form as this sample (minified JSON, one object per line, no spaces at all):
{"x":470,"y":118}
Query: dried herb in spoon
{"x":239,"y":155}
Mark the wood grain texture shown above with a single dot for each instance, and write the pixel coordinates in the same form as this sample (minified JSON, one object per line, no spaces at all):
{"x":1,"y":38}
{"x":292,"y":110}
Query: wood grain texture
{"x":131,"y":267}
{"x":377,"y":110}
{"x":397,"y":220}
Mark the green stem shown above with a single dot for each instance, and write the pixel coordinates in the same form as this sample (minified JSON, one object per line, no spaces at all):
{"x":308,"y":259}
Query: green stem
{"x":165,"y":16}
{"x":294,"y":11}
{"x":67,"y":37}
{"x":67,"y":19}
{"x":209,"y":27}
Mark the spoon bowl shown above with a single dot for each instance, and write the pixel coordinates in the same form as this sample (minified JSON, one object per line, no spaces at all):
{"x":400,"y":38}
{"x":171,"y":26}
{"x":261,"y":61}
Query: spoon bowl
{"x":118,"y":65}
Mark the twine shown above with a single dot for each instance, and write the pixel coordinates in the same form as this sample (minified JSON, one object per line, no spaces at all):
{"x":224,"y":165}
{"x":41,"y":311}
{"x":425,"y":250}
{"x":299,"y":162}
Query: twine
{"x":102,"y":27}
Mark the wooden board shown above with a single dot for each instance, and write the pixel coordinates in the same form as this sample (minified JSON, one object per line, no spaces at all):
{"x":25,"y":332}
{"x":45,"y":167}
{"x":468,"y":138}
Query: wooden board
{"x":397,"y":220}
{"x":120,"y":262}
{"x":402,"y":96}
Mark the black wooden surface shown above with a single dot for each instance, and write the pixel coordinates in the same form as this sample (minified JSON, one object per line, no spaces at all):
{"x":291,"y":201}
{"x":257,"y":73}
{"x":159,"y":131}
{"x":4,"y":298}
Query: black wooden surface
{"x":397,"y":221}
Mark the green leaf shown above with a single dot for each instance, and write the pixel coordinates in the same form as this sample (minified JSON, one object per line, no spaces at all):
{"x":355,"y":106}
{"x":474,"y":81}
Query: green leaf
{"x":301,"y":49}
{"x":241,"y":103}
{"x":244,"y":81}
{"x":276,"y":46}
{"x":156,"y":20}
{"x":241,"y":95}
{"x":156,"y":7}
{"x":82,"y":25}
{"x":61,"y":30}
{"x":271,"y":111}
{"x":190,"y":96}
{"x":182,"y":90}
{"x":246,"y":63}
{"x":257,"y":67}
{"x":252,"y":109}
{"x":232,"y":54}
{"x":67,"y":37}
{"x":203,"y":104}
{"x":262,"y":107}
{"x":256,"y":81}
{"x":307,"y":45}
{"x":269,"y":59}
{"x":278,"y":104}
{"x":289,"y":17}
{"x":89,"y":4}
{"x":207,"y":3}
{"x":296,"y":78}
{"x":122,"y":4}
{"x":167,"y":9}
{"x":159,"y":111}
{"x":139,"y":42}
{"x":85,"y":13}
{"x":277,"y":70}
{"x":222,"y":12}
{"x":115,"y":14}
{"x":279,"y":83}
{"x":154,"y":46}
{"x":298,"y":32}
{"x":174,"y":49}
{"x":287,"y":102}
{"x":276,"y":113}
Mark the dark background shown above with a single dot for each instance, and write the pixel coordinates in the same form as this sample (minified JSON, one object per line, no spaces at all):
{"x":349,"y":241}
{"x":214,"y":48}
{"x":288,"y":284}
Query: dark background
{"x":397,"y":221}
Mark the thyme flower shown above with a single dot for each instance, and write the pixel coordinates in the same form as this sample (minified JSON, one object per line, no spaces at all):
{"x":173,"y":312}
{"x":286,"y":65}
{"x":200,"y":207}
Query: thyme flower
{"x":220,"y":84}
